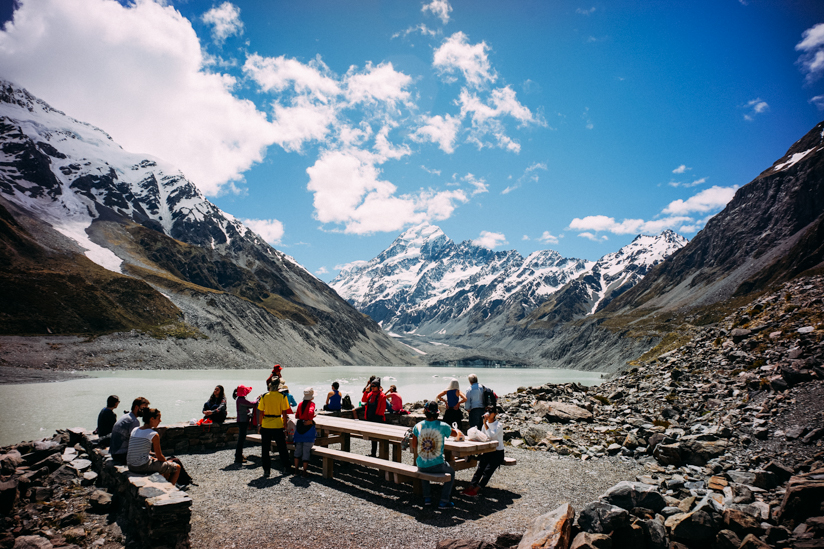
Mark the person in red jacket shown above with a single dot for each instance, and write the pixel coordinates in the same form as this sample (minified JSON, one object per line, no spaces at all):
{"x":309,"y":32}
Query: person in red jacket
{"x":375,"y":403}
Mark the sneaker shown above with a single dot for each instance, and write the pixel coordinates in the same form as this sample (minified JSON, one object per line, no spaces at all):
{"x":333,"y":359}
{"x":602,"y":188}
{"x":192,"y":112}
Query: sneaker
{"x":471,"y":492}
{"x":446,"y":505}
{"x":427,"y":502}
{"x":266,"y":474}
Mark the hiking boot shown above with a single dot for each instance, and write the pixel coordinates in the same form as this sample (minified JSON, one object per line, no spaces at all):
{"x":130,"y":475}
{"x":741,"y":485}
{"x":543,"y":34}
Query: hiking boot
{"x":266,"y":473}
{"x":446,"y":505}
{"x":471,"y":492}
{"x":427,"y":502}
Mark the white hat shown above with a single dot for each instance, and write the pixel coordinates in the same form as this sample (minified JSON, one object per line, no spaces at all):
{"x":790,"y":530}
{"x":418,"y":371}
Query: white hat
{"x":309,"y":394}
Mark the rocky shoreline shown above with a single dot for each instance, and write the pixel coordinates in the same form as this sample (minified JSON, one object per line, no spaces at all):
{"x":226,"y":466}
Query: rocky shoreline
{"x":719,"y":443}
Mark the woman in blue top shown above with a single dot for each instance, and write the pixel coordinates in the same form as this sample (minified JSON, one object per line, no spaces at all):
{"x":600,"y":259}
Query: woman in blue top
{"x":453,"y":400}
{"x":333,"y":399}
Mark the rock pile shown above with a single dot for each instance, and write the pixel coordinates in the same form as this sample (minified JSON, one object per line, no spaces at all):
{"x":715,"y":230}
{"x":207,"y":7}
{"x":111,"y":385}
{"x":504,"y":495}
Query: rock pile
{"x":729,"y":427}
{"x":48,"y":498}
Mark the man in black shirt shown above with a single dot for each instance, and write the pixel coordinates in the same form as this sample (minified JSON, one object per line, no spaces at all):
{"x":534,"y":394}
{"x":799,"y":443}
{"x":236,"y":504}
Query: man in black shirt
{"x":106,"y":420}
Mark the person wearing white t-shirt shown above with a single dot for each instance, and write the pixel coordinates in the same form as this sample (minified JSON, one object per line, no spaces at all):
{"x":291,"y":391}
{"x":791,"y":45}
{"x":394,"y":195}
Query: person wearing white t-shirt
{"x":492,"y":460}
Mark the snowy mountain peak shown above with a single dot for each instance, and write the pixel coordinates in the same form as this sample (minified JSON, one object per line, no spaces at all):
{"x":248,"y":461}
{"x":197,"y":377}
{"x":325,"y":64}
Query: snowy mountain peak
{"x":425,"y":283}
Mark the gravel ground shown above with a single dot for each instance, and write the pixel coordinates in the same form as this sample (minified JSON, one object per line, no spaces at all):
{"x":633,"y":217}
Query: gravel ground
{"x":234,"y":506}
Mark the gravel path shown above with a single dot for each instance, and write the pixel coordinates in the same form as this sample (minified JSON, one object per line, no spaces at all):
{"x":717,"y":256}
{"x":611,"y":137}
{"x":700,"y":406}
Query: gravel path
{"x":235,"y":506}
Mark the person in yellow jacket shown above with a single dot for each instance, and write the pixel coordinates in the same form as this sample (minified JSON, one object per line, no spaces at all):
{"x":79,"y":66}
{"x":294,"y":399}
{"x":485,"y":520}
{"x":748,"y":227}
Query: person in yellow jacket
{"x":276,"y":410}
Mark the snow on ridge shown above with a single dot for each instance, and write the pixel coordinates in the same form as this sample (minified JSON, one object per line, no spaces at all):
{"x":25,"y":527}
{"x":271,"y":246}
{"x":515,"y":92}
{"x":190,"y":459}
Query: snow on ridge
{"x":794,"y":159}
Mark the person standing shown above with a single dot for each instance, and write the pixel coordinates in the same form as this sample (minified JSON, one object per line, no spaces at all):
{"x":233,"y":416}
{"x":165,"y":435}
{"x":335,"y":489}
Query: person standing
{"x":427,"y":443}
{"x":333,"y":399}
{"x":305,"y":430}
{"x":276,"y":410}
{"x":475,"y":402}
{"x":144,"y":440}
{"x":122,"y":430}
{"x":245,"y":408}
{"x":106,"y":420}
{"x":491,"y":460}
{"x":453,"y":398}
{"x":375,"y":403}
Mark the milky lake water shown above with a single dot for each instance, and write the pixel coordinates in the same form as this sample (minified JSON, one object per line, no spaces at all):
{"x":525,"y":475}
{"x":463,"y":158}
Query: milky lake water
{"x":32,"y":411}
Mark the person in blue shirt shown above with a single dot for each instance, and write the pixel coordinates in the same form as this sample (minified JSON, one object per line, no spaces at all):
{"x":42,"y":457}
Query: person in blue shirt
{"x":453,"y":398}
{"x":284,"y":390}
{"x":122,"y":430}
{"x":427,"y":442}
{"x":333,"y":398}
{"x":475,"y":402}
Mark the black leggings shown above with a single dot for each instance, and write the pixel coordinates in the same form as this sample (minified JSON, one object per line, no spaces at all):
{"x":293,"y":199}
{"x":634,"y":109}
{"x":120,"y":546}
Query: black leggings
{"x":243,"y":427}
{"x":279,"y":436}
{"x":489,"y":462}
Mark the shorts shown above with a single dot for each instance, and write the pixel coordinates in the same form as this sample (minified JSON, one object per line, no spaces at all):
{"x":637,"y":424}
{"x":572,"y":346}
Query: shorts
{"x":155,"y":466}
{"x":303,"y":450}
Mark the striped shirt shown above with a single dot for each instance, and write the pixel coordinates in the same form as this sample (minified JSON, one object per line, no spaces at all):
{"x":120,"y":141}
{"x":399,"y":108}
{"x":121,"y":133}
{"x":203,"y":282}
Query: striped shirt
{"x":140,"y":444}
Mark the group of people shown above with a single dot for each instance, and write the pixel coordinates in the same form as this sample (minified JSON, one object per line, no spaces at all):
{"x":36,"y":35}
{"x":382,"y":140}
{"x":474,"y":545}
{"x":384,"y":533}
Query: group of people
{"x":138,"y":446}
{"x":132,"y":444}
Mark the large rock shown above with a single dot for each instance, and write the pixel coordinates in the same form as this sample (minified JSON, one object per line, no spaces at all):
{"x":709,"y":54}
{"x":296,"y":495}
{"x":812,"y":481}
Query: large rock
{"x":691,"y":527}
{"x":631,"y":535}
{"x":655,"y":534}
{"x":8,"y":495}
{"x":803,"y":497}
{"x":740,"y":522}
{"x":699,"y":452}
{"x":561,"y":412}
{"x":52,"y":462}
{"x":585,"y":540}
{"x":727,"y":539}
{"x":752,"y":542}
{"x":32,"y":542}
{"x":628,"y":495}
{"x":63,"y":475}
{"x":550,"y":531}
{"x":10,"y":461}
{"x":668,"y":454}
{"x":599,"y":517}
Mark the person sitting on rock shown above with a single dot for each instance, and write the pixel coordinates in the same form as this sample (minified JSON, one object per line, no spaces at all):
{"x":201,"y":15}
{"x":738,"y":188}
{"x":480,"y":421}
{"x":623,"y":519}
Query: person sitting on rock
{"x":394,"y":401}
{"x":284,"y":390}
{"x":427,"y":442}
{"x":333,"y":399}
{"x":214,"y":409}
{"x":490,"y":461}
{"x":145,"y":455}
{"x":122,"y":430}
{"x":106,"y":420}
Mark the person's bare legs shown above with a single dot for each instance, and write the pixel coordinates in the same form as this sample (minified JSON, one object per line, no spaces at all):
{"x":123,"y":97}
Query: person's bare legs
{"x":173,"y":477}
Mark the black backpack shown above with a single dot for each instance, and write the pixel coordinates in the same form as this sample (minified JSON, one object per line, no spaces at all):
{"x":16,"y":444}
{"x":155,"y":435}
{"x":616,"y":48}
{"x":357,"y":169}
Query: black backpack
{"x":346,"y":403}
{"x":489,"y":398}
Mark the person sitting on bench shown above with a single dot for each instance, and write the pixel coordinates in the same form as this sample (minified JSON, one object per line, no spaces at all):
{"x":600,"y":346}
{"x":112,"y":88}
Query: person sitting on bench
{"x":428,"y":442}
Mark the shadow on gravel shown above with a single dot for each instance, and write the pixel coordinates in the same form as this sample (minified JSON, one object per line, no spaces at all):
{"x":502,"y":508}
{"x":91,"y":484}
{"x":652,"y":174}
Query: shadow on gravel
{"x":370,"y":485}
{"x":262,"y":482}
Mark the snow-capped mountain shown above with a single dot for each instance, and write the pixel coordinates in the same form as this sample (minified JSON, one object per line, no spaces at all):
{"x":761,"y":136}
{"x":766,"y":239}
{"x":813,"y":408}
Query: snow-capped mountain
{"x":69,"y":188}
{"x":427,"y":284}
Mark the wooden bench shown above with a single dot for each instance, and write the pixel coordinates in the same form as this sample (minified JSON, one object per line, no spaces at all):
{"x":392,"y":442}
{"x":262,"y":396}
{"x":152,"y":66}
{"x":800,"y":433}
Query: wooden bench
{"x":400,"y":471}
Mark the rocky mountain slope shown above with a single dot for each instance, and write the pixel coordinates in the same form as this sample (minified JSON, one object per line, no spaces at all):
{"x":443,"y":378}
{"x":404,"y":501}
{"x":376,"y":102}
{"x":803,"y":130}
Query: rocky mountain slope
{"x":426,"y":284}
{"x":114,"y":241}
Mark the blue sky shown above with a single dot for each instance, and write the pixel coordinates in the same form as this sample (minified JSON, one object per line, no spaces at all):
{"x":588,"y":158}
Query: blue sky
{"x":332,"y":126}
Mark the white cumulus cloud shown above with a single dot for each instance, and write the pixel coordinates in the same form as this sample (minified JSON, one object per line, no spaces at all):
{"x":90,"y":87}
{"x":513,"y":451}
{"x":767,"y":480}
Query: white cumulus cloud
{"x":457,"y":55}
{"x":681,"y":169}
{"x":225,"y":21}
{"x":709,"y":199}
{"x":812,"y":46}
{"x":755,"y":106}
{"x":442,"y":130}
{"x":348,"y":191}
{"x":438,"y":8}
{"x":270,"y":230}
{"x":548,"y":238}
{"x":377,"y":84}
{"x":136,"y":71}
{"x":490,"y":240}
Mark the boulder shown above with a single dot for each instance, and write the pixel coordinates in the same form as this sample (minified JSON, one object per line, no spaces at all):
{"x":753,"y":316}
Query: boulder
{"x":628,"y":495}
{"x":63,"y":475}
{"x":631,"y":535}
{"x":100,"y":501}
{"x":533,"y":435}
{"x":8,"y":495}
{"x":585,"y":540}
{"x":813,"y":435}
{"x":655,"y":534}
{"x":602,"y":518}
{"x":508,"y":540}
{"x":550,"y":531}
{"x":668,"y":454}
{"x":752,"y":542}
{"x":699,"y":452}
{"x":10,"y":461}
{"x":740,"y":522}
{"x":691,"y":527}
{"x":561,"y":412}
{"x":803,"y":497}
{"x":727,"y":539}
{"x":52,"y":462}
{"x":32,"y":542}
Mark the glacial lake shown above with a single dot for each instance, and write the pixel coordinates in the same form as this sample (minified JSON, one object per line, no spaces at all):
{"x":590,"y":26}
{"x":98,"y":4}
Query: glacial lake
{"x":36,"y":410}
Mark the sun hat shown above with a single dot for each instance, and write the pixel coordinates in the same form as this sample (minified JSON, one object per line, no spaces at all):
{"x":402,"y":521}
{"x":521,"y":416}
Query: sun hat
{"x":309,"y":394}
{"x":453,"y":384}
{"x":243,"y":390}
{"x":283,"y":387}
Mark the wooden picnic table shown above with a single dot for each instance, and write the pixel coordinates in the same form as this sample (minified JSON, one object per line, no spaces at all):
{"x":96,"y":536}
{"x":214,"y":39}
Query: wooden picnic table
{"x":337,"y":430}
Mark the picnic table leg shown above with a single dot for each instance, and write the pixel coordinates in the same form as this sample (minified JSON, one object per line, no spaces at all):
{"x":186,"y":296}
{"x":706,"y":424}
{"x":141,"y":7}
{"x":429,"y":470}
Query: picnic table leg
{"x":417,"y":487}
{"x":328,"y":467}
{"x":383,"y":449}
{"x":345,"y":440}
